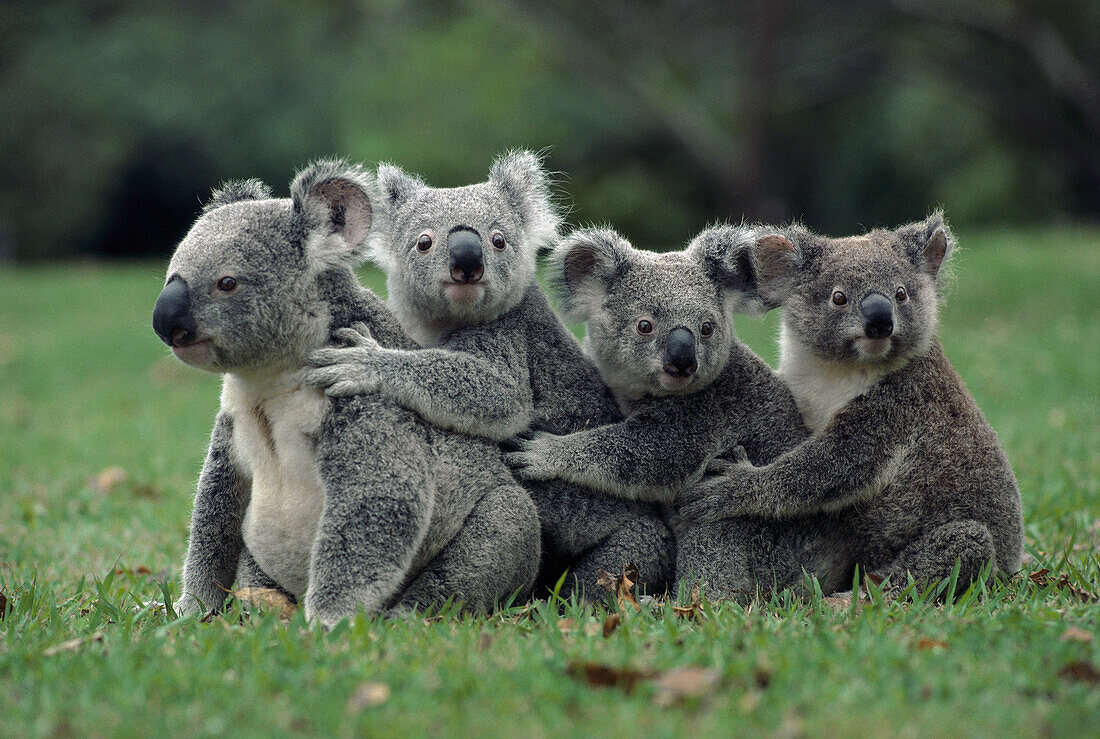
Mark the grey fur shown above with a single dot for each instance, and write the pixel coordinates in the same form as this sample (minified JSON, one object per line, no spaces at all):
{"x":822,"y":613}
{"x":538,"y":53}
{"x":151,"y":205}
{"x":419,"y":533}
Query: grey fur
{"x":900,"y":451}
{"x":672,"y":430}
{"x":497,"y":359}
{"x":346,"y":504}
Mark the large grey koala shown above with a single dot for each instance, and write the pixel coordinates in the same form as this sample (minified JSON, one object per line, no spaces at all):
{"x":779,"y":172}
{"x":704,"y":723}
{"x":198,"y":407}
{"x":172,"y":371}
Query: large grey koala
{"x":460,"y":266}
{"x":899,"y":448}
{"x":660,"y":329}
{"x":347,"y":504}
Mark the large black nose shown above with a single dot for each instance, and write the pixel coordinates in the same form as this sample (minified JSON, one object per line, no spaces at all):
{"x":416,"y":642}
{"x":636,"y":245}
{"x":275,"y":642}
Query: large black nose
{"x":878,"y":316}
{"x":680,"y":353}
{"x":172,"y":318}
{"x":464,"y":246}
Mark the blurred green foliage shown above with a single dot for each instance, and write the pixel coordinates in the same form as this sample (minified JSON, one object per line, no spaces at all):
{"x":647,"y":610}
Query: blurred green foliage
{"x":119,"y":117}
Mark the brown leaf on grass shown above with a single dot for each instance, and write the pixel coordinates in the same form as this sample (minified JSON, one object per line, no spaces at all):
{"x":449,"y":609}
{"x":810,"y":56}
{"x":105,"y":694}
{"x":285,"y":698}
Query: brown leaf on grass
{"x":368,"y":695}
{"x":139,"y":570}
{"x":874,"y":579}
{"x":611,"y":623}
{"x":694,"y":608}
{"x":620,"y":585}
{"x":1077,"y":634}
{"x":839,"y":601}
{"x":567,"y":625}
{"x":684,"y":683}
{"x":73,"y":644}
{"x":266,"y":599}
{"x":5,"y":606}
{"x":109,"y":479}
{"x":596,"y":675}
{"x":926,"y":642}
{"x":1080,"y":671}
{"x":1042,"y":579}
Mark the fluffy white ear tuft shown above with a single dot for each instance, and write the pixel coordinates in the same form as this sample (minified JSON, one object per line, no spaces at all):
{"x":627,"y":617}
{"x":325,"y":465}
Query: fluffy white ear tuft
{"x":583,"y":266}
{"x":520,"y":176}
{"x":336,"y":202}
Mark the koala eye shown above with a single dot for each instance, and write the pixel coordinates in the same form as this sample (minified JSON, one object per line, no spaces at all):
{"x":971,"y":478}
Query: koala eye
{"x":424,"y":242}
{"x":645,"y":328}
{"x":901,"y":295}
{"x":227,"y":284}
{"x":498,"y":241}
{"x":839,"y":298}
{"x":707,"y":328}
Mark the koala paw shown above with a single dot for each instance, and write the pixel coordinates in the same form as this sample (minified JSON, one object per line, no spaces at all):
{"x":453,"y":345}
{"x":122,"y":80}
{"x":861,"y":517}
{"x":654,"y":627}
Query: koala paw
{"x":346,"y":370}
{"x":533,"y":456}
{"x":718,"y":496}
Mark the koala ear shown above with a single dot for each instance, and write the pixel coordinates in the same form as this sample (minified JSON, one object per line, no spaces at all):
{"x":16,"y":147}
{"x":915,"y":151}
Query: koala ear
{"x":583,"y":266}
{"x":335,"y":199}
{"x":397,"y":185}
{"x":726,"y":254}
{"x":234,"y":191}
{"x":520,"y":176}
{"x":776,"y":257}
{"x":928,"y":243}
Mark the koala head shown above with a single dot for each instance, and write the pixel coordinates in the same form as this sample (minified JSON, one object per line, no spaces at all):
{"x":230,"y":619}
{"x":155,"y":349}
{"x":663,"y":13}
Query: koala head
{"x":656,"y":324}
{"x":246,"y":287}
{"x":869,"y":299}
{"x":464,"y":255}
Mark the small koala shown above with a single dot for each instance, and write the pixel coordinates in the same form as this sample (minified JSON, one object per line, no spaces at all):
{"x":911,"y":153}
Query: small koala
{"x":899,"y":451}
{"x":460,"y":265}
{"x":660,"y":330}
{"x":346,"y":504}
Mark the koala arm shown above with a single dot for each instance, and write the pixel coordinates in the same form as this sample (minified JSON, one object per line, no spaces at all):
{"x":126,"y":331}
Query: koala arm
{"x":378,"y":504}
{"x":852,"y":459}
{"x":649,"y":456}
{"x":477,"y":385}
{"x":216,"y":540}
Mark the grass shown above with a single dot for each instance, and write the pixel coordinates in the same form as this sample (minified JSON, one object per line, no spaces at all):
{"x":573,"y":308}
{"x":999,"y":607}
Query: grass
{"x":85,"y":387}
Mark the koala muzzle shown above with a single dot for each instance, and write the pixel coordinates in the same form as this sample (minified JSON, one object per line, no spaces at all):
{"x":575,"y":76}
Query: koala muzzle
{"x":878,"y":316}
{"x":464,"y":246}
{"x":172,"y":314}
{"x":680,"y":353}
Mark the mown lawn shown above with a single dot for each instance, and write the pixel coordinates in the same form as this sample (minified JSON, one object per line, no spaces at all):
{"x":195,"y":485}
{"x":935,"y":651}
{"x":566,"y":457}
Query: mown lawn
{"x":102,"y":435}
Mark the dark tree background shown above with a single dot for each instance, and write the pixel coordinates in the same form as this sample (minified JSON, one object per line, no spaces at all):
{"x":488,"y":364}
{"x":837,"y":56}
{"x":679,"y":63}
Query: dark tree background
{"x":119,"y":117}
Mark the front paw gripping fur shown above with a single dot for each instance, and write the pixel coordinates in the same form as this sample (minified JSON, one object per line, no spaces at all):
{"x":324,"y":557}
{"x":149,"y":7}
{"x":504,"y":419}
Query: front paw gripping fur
{"x":721,"y":494}
{"x":352,"y":369}
{"x":536,"y":455}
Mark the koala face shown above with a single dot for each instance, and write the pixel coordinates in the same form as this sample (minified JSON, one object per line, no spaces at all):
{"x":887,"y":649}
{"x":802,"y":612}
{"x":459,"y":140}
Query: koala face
{"x":465,"y":254}
{"x":868,"y":299}
{"x":656,"y":324}
{"x":241,"y":294}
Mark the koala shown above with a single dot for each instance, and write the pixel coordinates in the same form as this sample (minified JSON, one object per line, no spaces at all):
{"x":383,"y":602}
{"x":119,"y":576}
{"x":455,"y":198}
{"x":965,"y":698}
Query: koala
{"x":899,"y":449}
{"x":344,"y":504}
{"x":496,"y":359}
{"x":659,"y":328}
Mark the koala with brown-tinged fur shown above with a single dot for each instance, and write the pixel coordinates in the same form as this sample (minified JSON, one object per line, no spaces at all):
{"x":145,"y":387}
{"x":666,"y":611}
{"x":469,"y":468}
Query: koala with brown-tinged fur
{"x":899,"y":451}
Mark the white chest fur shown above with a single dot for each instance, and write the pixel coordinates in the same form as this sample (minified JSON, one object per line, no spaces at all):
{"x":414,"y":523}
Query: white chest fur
{"x":275,"y":420}
{"x":821,"y":388}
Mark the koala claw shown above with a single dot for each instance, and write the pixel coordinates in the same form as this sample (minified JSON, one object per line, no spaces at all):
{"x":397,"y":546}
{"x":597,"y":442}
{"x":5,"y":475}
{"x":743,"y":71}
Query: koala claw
{"x":700,"y":503}
{"x":530,"y":458}
{"x":358,"y":335}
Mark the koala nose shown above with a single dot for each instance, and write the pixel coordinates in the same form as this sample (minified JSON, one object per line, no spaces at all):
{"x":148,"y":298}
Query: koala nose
{"x":172,"y":314}
{"x":878,"y":316}
{"x":464,"y":246}
{"x":680,"y":353}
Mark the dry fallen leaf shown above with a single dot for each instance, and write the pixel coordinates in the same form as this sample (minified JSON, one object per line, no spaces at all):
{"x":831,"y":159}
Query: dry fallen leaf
{"x":602,"y":676}
{"x":839,"y":601}
{"x":610,"y":624}
{"x":109,"y":479}
{"x":139,"y":570}
{"x":73,"y":644}
{"x":566,"y":625}
{"x":1042,"y":579}
{"x":873,"y":578}
{"x":926,"y":642}
{"x":620,"y":585}
{"x":682,"y":683}
{"x":266,"y":599}
{"x":694,"y":608}
{"x":1076,"y":633}
{"x":368,"y":695}
{"x":1080,"y":671}
{"x":5,"y":606}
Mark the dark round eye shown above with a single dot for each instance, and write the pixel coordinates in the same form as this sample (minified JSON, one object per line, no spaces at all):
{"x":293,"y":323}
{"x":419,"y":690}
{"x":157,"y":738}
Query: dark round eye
{"x":839,"y":298}
{"x":901,"y":295}
{"x":707,"y":328}
{"x":645,"y":327}
{"x":424,"y":242}
{"x":497,"y":239}
{"x":227,"y":284}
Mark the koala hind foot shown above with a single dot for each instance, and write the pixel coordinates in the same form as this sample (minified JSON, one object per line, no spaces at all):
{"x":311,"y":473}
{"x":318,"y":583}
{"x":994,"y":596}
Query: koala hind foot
{"x":932,"y":556}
